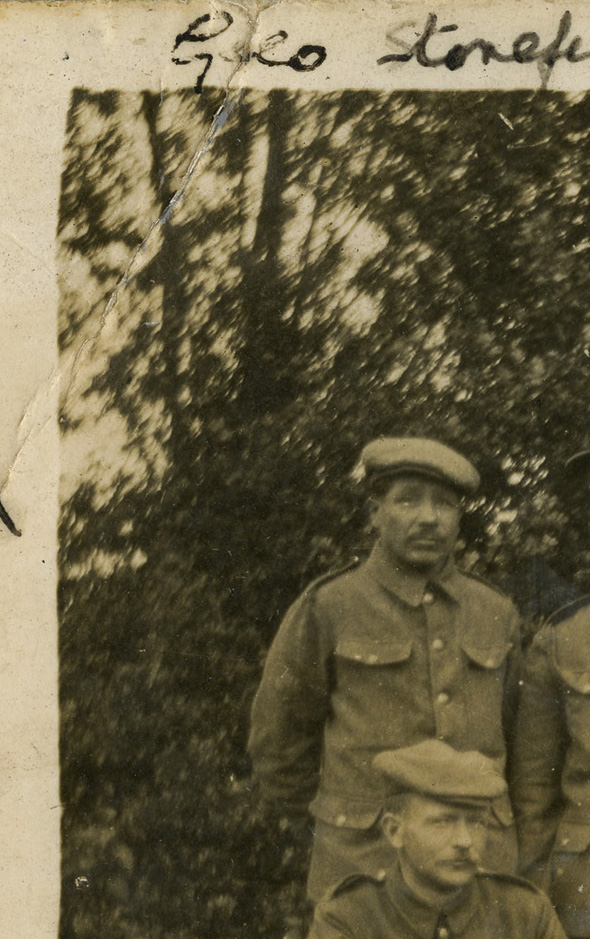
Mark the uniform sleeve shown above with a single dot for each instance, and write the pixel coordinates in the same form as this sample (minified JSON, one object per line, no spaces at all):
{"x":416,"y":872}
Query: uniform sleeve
{"x":290,"y":709}
{"x":511,"y":685}
{"x":538,"y":760}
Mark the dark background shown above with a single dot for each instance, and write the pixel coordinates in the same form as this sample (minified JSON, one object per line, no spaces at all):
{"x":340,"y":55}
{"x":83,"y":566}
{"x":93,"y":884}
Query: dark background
{"x":338,"y":267}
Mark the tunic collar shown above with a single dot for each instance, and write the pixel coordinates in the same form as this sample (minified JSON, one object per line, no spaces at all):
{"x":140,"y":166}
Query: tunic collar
{"x":421,"y":918}
{"x":411,"y":586}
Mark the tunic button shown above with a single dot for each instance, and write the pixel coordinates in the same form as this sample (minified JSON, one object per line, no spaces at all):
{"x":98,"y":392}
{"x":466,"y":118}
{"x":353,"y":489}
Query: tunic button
{"x":381,"y":874}
{"x":442,"y":698}
{"x":428,"y":597}
{"x":443,"y":933}
{"x":341,"y":820}
{"x":373,"y":659}
{"x":438,"y":645}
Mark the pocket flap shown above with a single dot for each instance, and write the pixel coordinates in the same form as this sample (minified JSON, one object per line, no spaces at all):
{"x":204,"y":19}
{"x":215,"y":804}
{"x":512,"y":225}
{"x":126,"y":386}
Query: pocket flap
{"x":486,"y":656}
{"x":374,"y":653}
{"x":344,"y":813}
{"x":573,"y":839}
{"x":578,"y":679}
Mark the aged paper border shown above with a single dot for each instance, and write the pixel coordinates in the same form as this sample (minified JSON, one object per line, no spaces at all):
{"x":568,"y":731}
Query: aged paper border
{"x":116,"y":45}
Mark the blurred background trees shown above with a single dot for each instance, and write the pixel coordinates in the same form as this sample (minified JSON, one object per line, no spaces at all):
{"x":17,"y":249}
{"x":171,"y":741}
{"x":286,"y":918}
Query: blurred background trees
{"x":335,"y":268}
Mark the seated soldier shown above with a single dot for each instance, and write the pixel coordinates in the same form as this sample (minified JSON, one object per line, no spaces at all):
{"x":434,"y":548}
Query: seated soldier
{"x":436,"y":821}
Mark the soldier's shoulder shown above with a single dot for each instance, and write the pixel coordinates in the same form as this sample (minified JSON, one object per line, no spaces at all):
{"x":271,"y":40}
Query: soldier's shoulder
{"x":579,"y":608}
{"x":479,"y":583}
{"x":336,"y":574}
{"x":508,"y":883}
{"x":354,"y":883}
{"x":352,"y":903}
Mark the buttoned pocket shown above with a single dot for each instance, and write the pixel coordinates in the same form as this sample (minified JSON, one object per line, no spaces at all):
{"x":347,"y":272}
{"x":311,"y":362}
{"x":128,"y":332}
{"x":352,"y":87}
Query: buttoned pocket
{"x":345,"y":812}
{"x":576,"y":679}
{"x":374,"y":653}
{"x":483,"y":670}
{"x":572,"y":839}
{"x":486,"y":657}
{"x":575,"y":696}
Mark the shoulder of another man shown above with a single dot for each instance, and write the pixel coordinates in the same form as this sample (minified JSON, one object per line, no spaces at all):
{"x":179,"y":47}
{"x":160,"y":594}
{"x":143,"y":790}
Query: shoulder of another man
{"x":509,"y":883}
{"x":481,"y":584}
{"x":567,"y":631}
{"x":352,"y":883}
{"x":350,"y":904}
{"x":580,"y":607}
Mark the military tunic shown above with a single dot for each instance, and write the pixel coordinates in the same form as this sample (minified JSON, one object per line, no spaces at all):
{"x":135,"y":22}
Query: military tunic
{"x":372,"y":660}
{"x":552,"y":765}
{"x":494,"y":906}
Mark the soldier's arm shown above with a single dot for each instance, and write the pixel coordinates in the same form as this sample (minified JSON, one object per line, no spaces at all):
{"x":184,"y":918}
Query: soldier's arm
{"x":290,"y":709}
{"x":537,"y":759}
{"x":514,"y":667}
{"x":548,"y":925}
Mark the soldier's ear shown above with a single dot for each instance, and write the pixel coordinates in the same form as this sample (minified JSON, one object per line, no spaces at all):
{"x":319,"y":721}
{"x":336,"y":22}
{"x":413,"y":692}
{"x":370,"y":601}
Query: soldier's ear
{"x":391,"y":823}
{"x":373,"y":505}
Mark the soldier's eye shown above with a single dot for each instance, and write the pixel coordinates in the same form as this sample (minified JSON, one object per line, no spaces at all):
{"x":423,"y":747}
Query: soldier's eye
{"x":444,"y":820}
{"x":448,"y":502}
{"x":407,"y":498}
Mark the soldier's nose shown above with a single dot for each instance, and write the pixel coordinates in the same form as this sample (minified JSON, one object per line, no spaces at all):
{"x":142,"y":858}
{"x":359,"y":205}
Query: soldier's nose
{"x":463,"y":835}
{"x":428,"y":511}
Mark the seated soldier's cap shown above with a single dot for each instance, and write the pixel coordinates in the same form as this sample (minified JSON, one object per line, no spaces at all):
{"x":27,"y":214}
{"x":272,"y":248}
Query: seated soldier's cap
{"x":395,"y":456}
{"x":438,"y":771}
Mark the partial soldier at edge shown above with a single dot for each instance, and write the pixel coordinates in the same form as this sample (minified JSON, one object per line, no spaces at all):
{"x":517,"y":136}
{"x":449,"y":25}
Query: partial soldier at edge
{"x":552,"y":758}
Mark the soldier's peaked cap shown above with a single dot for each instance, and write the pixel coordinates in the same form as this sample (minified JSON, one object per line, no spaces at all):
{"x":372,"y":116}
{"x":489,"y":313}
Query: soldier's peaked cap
{"x":395,"y":456}
{"x":434,"y":769}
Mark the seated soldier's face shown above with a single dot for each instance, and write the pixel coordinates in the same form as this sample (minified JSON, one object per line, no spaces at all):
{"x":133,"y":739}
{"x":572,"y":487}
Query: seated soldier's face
{"x":440,"y":845}
{"x":418,"y":522}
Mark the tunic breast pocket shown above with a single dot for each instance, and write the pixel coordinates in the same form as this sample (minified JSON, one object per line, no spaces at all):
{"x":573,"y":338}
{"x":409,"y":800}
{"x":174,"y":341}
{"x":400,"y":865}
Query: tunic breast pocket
{"x":484,"y":668}
{"x":486,"y":658}
{"x":575,"y":680}
{"x":575,"y":683}
{"x":373,"y":680}
{"x":362,"y":652}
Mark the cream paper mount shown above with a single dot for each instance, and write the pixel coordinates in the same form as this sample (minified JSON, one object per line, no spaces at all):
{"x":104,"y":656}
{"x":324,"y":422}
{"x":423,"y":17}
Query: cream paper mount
{"x":239,"y":240}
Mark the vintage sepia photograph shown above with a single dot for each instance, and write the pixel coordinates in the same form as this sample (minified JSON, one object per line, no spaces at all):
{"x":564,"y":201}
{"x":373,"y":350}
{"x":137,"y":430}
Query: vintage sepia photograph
{"x":324,"y":469}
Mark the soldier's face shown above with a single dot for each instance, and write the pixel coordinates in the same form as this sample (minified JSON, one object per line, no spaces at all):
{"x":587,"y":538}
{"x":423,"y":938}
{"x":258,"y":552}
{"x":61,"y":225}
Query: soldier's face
{"x":418,"y":522}
{"x":440,"y":846}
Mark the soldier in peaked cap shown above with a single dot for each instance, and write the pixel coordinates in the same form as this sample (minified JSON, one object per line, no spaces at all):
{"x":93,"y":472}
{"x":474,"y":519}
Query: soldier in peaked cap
{"x":396,"y":650}
{"x":435,"y":821}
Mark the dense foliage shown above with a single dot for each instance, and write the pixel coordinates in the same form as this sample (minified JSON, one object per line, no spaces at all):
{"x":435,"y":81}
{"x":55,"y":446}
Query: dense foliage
{"x":333,"y":268}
